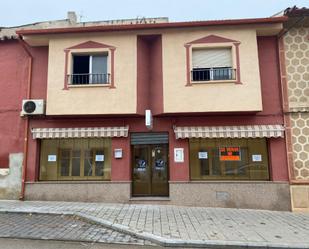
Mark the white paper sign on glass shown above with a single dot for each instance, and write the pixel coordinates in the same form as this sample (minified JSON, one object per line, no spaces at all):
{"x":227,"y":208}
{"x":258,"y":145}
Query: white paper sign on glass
{"x":118,"y":153}
{"x":202,"y":155}
{"x":256,"y":158}
{"x":178,"y":155}
{"x":52,"y":158}
{"x":99,"y":158}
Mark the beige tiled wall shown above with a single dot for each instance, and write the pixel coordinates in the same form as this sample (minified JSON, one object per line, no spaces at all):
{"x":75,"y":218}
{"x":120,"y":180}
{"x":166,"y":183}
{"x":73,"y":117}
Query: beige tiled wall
{"x":300,"y":197}
{"x":297,"y":66}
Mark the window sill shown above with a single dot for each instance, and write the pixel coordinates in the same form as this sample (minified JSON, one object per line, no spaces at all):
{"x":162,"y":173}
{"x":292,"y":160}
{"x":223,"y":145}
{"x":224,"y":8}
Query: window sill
{"x":71,"y":182}
{"x":89,"y":85}
{"x":227,"y":182}
{"x":213,"y":82}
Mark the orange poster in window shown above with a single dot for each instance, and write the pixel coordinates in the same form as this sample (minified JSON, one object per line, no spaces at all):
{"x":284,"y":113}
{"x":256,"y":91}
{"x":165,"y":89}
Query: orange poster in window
{"x":229,"y":153}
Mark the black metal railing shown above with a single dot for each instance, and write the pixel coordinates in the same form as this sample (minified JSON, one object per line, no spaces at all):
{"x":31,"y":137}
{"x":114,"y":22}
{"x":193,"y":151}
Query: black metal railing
{"x":213,"y":74}
{"x":85,"y":79}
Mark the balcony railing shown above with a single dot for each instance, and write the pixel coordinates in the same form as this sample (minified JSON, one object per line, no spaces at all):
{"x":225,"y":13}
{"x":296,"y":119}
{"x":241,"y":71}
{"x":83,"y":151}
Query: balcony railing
{"x":85,"y":79}
{"x":213,"y":74}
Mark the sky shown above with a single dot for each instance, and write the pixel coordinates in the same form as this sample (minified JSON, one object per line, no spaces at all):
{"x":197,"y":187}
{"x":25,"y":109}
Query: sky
{"x":18,"y":12}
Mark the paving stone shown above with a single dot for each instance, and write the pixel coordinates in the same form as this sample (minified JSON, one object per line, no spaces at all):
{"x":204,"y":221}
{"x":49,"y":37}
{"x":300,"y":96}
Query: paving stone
{"x":170,"y":224}
{"x":59,"y":227}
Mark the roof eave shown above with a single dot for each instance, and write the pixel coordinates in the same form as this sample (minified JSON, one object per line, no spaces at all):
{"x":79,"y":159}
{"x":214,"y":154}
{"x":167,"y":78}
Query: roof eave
{"x":130,"y":27}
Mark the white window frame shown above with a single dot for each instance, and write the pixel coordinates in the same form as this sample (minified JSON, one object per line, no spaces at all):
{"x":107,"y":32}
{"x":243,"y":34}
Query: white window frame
{"x":90,"y":53}
{"x":212,"y":46}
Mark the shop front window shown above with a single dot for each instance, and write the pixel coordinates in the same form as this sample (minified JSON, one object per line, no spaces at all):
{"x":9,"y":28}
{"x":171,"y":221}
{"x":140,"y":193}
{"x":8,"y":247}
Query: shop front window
{"x":229,"y":159}
{"x":75,"y":159}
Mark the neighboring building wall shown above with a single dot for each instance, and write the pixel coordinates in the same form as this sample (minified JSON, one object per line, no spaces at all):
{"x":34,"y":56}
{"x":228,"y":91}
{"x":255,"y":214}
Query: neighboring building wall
{"x":72,"y":21}
{"x":13,"y":80}
{"x":10,"y":179}
{"x":14,"y":74}
{"x":296,"y":42}
{"x":14,"y":71}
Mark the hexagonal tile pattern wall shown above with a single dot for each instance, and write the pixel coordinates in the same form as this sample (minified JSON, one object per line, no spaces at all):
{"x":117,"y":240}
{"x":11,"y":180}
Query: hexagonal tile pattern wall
{"x":300,"y":143}
{"x":297,"y":67}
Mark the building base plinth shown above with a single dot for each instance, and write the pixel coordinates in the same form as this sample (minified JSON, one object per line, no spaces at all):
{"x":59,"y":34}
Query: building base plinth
{"x":80,"y":192}
{"x":251,"y":195}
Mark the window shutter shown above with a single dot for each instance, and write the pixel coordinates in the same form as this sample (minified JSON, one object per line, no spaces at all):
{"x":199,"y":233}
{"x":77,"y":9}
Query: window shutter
{"x":213,"y":57}
{"x":149,"y":138}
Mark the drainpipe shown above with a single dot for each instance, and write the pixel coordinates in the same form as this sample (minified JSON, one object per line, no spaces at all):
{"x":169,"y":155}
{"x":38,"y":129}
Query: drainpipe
{"x":26,"y":127}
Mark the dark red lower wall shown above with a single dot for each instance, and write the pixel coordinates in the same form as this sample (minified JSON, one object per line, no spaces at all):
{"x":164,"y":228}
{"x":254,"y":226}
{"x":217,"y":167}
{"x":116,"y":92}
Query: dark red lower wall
{"x":121,"y":168}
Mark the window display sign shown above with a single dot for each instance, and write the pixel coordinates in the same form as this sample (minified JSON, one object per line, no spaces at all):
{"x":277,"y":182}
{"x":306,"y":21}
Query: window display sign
{"x":52,"y":158}
{"x":202,"y":155}
{"x":229,"y":154}
{"x":118,"y":153}
{"x":256,"y":158}
{"x":99,"y":158}
{"x":178,"y":155}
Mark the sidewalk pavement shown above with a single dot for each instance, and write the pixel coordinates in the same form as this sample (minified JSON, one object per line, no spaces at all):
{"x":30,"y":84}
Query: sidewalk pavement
{"x":168,"y":225}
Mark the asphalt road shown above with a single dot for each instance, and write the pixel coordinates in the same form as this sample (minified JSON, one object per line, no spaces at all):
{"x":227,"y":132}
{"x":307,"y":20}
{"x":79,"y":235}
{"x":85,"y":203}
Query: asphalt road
{"x":48,"y":244}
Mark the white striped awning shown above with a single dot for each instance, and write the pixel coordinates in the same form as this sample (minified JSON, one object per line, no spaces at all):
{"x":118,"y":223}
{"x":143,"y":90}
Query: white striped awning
{"x":48,"y":133}
{"x":247,"y":131}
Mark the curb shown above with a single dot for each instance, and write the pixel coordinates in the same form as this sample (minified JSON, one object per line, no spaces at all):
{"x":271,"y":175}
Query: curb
{"x":216,"y":244}
{"x":68,"y":240}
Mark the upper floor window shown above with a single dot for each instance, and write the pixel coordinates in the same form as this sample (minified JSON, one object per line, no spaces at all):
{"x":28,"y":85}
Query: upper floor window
{"x":89,"y":69}
{"x":212,"y":64}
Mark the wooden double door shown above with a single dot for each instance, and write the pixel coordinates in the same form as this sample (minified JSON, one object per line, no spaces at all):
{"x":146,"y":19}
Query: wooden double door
{"x":150,"y":170}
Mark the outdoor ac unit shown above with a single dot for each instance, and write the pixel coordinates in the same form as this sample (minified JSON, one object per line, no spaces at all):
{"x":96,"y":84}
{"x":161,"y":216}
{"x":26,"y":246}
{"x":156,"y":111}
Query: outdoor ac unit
{"x":33,"y":107}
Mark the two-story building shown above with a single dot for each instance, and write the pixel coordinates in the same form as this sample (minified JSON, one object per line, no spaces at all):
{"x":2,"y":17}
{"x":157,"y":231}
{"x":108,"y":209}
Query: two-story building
{"x":186,"y":113}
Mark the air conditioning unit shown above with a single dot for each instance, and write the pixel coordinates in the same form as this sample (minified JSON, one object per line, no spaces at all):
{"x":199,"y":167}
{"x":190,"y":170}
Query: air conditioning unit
{"x":33,"y":107}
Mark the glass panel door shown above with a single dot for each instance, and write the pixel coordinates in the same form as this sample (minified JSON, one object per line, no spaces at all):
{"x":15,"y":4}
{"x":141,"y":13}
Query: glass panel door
{"x":141,"y":170}
{"x":150,"y":170}
{"x":159,"y":170}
